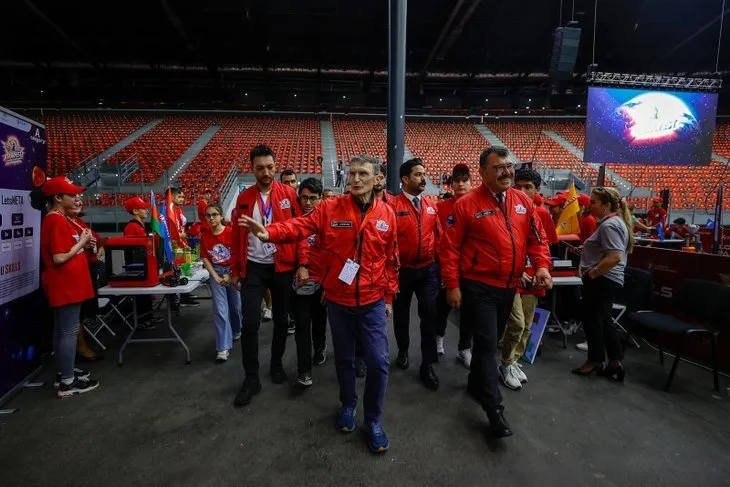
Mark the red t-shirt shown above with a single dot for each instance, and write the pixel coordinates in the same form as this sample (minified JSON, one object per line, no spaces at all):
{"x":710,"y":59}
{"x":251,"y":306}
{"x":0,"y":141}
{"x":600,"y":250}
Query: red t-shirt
{"x":202,"y":206}
{"x":69,"y":282}
{"x":217,"y":248}
{"x":588,"y":226}
{"x":655,"y":215}
{"x":135,"y":228}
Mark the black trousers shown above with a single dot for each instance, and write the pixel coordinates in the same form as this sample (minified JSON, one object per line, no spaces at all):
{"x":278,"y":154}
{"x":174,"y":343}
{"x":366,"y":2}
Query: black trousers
{"x":424,"y":282}
{"x":259,"y":277}
{"x":487,"y":308}
{"x":603,"y":339}
{"x":442,"y":319}
{"x":311,"y":317}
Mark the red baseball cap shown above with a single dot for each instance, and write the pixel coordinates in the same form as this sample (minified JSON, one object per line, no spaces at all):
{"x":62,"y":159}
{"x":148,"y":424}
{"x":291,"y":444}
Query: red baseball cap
{"x":135,"y":203}
{"x":558,"y":200}
{"x":584,"y":200}
{"x":460,"y":168}
{"x":61,"y":185}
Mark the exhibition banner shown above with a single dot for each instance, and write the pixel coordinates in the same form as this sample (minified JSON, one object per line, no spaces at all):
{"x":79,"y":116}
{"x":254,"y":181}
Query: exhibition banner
{"x":22,"y":167}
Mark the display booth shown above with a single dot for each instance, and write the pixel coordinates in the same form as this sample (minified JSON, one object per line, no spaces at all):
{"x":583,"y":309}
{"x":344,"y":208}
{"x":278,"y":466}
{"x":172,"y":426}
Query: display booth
{"x":24,"y":316}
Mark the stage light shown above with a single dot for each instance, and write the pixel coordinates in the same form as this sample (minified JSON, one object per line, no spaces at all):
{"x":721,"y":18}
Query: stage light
{"x":295,"y":95}
{"x":578,"y":106}
{"x":441,"y":99}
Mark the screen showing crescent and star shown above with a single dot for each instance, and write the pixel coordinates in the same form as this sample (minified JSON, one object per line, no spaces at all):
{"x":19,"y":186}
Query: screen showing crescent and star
{"x":649,"y":127}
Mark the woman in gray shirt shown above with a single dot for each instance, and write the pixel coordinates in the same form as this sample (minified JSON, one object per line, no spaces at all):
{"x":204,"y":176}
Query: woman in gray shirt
{"x":602,"y":265}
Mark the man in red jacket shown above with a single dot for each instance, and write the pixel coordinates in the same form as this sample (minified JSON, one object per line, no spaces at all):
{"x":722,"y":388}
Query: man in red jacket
{"x":205,"y":200}
{"x":519,"y":323}
{"x":483,"y":256}
{"x":357,"y":237}
{"x":418,"y":233}
{"x":379,"y":188}
{"x":460,"y":185}
{"x":586,"y":221}
{"x":262,"y":265}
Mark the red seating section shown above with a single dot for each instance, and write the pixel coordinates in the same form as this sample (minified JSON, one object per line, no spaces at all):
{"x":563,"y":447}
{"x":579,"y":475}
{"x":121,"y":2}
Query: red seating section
{"x":441,"y":145}
{"x":354,"y":137}
{"x":75,"y":137}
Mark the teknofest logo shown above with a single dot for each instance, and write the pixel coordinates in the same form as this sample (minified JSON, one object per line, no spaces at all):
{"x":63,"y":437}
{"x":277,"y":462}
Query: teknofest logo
{"x":13,"y":151}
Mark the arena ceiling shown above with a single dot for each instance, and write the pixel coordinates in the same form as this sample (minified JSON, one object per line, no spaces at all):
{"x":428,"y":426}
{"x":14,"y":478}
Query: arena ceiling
{"x":461,"y":49}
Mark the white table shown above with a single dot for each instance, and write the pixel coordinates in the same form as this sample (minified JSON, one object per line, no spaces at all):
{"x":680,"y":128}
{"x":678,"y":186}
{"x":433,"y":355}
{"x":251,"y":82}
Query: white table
{"x":655,"y":242}
{"x":562,"y":281}
{"x":193,"y":283}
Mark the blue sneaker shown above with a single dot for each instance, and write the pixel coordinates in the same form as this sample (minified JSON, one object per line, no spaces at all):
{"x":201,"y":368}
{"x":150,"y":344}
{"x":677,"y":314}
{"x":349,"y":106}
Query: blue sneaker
{"x":378,"y":439}
{"x":346,"y":420}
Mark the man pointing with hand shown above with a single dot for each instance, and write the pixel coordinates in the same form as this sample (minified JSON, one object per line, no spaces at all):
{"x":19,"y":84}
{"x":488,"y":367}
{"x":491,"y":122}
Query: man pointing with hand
{"x":359,"y":261}
{"x":483,"y":255}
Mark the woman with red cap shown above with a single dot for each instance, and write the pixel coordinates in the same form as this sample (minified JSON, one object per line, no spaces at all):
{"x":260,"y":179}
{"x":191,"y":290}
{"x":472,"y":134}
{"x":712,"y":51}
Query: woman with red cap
{"x":64,"y":263}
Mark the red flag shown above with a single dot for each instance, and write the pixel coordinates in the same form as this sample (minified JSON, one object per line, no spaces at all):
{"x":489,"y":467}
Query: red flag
{"x":173,"y":224}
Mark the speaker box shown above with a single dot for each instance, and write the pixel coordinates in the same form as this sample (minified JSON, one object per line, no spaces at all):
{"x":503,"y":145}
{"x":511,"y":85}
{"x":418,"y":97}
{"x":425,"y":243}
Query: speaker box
{"x":566,"y":41}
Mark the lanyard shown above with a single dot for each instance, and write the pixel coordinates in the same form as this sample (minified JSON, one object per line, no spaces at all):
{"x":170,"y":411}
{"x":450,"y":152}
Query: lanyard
{"x":266,"y":210}
{"x":359,"y":226}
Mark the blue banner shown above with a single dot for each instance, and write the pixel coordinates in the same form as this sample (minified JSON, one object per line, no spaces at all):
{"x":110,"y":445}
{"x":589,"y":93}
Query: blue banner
{"x":23,"y":309}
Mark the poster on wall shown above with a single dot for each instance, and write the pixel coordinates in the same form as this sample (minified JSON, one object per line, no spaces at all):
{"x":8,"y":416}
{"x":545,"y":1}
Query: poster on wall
{"x":22,"y":167}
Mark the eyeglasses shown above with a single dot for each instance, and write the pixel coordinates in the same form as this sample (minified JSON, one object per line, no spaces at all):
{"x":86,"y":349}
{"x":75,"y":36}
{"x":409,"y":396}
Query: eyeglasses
{"x":504,"y":168}
{"x":212,"y":215}
{"x":308,"y":199}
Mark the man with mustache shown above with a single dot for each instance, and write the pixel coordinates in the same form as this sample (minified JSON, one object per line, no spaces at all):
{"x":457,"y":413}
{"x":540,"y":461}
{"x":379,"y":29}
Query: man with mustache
{"x":418,"y":233}
{"x":379,"y":189}
{"x":261,"y":265}
{"x":483,"y":257}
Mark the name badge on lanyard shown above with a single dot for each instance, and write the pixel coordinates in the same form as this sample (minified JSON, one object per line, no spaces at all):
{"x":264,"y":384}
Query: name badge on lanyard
{"x":265,"y":210}
{"x":349,"y":271}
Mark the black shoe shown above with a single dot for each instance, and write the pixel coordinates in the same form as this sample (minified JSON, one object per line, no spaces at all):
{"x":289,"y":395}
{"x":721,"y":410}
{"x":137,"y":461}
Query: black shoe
{"x":320,"y":356}
{"x":497,"y":423}
{"x":587,"y":369}
{"x":78,"y":386}
{"x":361,"y":369}
{"x":248,"y":390}
{"x":189,"y":303}
{"x":146,"y":326}
{"x":292,"y":329}
{"x":402,"y":360}
{"x":278,"y":376}
{"x":78,"y":374}
{"x":429,"y":377}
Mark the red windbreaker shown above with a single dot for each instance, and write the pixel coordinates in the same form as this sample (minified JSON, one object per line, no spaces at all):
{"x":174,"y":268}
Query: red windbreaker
{"x":202,"y":207}
{"x":418,"y":232}
{"x":284,"y":205}
{"x":548,"y":225}
{"x":343,"y":232}
{"x":490,"y":245}
{"x":588,"y":225}
{"x":445,"y":210}
{"x":309,"y":253}
{"x":134,"y":228}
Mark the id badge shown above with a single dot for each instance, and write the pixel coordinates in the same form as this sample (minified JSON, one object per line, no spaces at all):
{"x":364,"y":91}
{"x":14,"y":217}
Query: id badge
{"x":349,"y":271}
{"x":269,"y":248}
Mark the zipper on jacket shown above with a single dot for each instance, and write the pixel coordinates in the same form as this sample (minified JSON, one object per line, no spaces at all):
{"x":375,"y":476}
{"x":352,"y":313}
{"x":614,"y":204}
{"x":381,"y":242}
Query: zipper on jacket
{"x":511,"y":237}
{"x":418,"y":253}
{"x":359,"y":260}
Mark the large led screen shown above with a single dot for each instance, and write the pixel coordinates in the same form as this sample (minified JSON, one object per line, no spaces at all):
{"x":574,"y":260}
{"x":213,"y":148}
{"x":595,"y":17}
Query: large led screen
{"x":649,"y":127}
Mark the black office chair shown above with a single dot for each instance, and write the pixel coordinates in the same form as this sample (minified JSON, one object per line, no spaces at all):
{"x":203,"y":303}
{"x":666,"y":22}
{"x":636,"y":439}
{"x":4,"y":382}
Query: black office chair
{"x":635,"y":295}
{"x":700,"y":303}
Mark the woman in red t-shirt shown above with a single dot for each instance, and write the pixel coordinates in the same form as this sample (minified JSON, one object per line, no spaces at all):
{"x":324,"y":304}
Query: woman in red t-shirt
{"x":66,"y":280}
{"x":215,"y":250}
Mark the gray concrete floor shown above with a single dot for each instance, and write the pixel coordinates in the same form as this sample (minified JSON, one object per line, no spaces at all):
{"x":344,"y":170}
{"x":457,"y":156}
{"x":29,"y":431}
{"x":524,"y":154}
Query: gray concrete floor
{"x":157,"y":421}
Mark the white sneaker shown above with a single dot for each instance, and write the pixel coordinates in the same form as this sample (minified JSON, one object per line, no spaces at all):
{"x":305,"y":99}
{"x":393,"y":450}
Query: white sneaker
{"x":221,"y":357}
{"x":465,"y":357}
{"x":583,"y":347}
{"x":521,"y":373}
{"x":267,"y":314}
{"x":440,"y":345}
{"x":509,"y":377}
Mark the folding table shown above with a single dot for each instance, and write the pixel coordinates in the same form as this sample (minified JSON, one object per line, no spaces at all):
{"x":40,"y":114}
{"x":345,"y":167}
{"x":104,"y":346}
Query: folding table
{"x":193,"y":283}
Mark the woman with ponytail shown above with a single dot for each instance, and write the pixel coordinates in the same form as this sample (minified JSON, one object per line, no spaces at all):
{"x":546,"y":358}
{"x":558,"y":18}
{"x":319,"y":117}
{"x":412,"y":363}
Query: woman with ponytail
{"x":602,"y":265}
{"x":66,"y":279}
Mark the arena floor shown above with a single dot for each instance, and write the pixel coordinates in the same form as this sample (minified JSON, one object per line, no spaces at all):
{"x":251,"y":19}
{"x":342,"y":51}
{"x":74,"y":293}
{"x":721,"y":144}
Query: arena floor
{"x":156,"y":421}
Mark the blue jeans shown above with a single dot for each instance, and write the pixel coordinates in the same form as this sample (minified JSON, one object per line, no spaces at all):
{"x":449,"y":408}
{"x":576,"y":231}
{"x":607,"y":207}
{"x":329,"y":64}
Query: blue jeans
{"x":368,"y":325}
{"x":65,"y":334}
{"x":226,"y":311}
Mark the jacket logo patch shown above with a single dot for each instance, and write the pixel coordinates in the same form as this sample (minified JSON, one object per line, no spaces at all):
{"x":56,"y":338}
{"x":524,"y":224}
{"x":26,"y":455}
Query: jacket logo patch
{"x":341,"y":224}
{"x":311,"y":240}
{"x":450,"y":220}
{"x":284,"y":204}
{"x":401,"y":213}
{"x":381,"y":226}
{"x":520,"y":210}
{"x":430,"y":210}
{"x":484,"y":213}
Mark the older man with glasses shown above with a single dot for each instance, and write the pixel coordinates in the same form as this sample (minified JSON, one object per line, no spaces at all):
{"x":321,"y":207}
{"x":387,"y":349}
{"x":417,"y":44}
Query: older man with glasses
{"x":483,"y":256}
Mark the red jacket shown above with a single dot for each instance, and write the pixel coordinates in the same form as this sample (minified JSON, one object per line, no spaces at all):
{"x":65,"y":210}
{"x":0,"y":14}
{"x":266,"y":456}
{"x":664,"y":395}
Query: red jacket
{"x":418,"y":233}
{"x":338,"y":225}
{"x":135,"y":228}
{"x":486,"y":244}
{"x":202,"y":207}
{"x":284,"y":205}
{"x":587,"y":226}
{"x":548,"y":225}
{"x":446,"y":212}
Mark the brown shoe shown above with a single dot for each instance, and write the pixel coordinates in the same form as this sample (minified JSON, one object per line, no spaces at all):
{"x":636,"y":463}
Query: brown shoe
{"x":83,"y":350}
